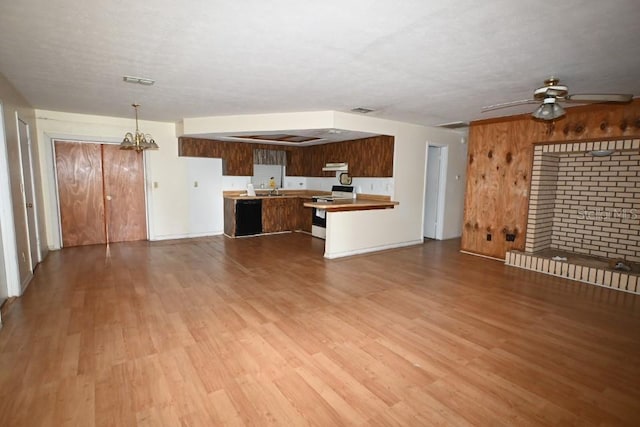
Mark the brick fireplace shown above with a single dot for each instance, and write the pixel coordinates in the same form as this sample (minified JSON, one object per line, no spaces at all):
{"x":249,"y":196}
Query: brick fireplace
{"x":586,"y":209}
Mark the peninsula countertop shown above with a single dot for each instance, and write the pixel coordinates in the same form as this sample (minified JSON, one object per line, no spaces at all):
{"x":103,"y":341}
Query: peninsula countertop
{"x":362,"y":202}
{"x":359,"y":204}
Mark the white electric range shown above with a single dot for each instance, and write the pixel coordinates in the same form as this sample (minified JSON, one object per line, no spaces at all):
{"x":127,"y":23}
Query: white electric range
{"x":319,"y":221}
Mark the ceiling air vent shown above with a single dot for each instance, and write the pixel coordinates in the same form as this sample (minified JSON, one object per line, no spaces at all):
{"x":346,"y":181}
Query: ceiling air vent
{"x":362,"y":110}
{"x":454,"y":125}
{"x":139,"y":80}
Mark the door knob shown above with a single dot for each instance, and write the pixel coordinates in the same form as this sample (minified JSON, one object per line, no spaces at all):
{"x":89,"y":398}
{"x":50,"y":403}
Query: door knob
{"x":108,"y":197}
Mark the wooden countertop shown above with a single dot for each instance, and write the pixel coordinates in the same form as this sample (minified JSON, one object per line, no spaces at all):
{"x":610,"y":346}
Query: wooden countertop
{"x":283,"y":194}
{"x":363,"y":202}
{"x":359,"y":204}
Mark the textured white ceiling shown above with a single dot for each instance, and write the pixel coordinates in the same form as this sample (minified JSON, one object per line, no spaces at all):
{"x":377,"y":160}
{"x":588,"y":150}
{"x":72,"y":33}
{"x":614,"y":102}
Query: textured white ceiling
{"x":426,"y":62}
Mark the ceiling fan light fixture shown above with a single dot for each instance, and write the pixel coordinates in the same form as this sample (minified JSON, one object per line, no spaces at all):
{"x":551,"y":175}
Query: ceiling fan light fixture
{"x":549,"y":110}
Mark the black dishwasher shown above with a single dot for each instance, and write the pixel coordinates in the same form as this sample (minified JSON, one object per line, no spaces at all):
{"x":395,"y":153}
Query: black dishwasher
{"x":248,"y":217}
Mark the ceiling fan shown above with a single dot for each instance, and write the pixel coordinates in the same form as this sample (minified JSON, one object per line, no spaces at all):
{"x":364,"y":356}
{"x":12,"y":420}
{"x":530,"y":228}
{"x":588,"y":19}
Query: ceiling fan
{"x":553,"y":92}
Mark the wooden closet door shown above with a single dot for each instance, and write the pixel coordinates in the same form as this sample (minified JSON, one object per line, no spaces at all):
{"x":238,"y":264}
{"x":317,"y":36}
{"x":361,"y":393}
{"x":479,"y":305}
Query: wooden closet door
{"x":79,"y":172}
{"x":126,"y":216}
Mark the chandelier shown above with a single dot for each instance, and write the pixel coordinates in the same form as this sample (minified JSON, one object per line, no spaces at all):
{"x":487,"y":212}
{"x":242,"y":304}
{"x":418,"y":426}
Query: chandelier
{"x":138,"y":141}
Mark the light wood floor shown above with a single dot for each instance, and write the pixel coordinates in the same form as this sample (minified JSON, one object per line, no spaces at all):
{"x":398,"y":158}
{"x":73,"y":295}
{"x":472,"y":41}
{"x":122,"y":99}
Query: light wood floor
{"x":264,"y":331}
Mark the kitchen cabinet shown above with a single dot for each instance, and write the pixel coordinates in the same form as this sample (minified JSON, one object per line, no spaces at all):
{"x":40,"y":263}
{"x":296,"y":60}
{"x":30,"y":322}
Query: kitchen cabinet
{"x":296,"y":165}
{"x":305,"y":215}
{"x":367,"y":157}
{"x":230,"y":217}
{"x":279,"y":214}
{"x":237,"y":159}
{"x":196,"y":147}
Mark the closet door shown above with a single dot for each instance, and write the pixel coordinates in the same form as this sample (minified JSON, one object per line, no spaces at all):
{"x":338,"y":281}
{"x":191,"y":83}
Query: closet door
{"x":126,"y":217}
{"x":80,"y":194}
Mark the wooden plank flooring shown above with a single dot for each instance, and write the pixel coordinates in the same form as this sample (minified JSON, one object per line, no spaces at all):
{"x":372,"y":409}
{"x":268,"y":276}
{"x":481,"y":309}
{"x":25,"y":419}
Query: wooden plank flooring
{"x":264,"y":331}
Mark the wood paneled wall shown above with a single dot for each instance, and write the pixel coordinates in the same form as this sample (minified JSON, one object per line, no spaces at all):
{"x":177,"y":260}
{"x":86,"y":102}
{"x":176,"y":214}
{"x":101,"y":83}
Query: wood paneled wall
{"x":500,"y":157}
{"x":367,"y":157}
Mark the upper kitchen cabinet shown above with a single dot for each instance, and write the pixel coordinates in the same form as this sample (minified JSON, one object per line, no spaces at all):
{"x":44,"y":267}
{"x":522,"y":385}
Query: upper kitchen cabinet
{"x":194,"y":147}
{"x":370,"y":157}
{"x":237,"y":159}
{"x":296,"y":162}
{"x":367,"y":157}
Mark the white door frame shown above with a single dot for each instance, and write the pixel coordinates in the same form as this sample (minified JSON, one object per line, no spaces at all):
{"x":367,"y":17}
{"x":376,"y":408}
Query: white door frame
{"x":28,"y":180}
{"x":7,"y":223}
{"x":442,"y":187}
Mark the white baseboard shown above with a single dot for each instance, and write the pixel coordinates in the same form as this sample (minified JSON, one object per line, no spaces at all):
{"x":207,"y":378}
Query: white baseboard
{"x":185,"y":235}
{"x":373,"y":249}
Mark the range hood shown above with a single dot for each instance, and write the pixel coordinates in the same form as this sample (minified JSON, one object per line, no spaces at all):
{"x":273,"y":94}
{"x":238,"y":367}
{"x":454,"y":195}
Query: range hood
{"x":336,"y":167}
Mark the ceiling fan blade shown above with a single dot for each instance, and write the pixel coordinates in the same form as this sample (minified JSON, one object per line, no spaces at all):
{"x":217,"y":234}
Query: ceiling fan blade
{"x":598,"y":97}
{"x":509,"y":104}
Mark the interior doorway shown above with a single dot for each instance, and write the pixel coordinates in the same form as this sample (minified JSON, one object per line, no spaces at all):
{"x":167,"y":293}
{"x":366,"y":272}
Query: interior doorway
{"x":435,"y":187}
{"x":101,"y":193}
{"x":28,"y":194}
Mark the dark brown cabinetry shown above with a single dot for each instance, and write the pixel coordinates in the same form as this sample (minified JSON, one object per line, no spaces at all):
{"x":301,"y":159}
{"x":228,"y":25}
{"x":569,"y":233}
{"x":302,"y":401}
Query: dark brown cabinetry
{"x":367,"y":157}
{"x":305,"y":216}
{"x":279,"y":214}
{"x":237,"y":159}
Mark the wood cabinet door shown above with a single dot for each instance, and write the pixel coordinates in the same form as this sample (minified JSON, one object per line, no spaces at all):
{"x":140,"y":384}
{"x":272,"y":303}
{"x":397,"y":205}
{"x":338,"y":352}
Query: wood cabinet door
{"x":79,"y":173}
{"x":125,"y":209}
{"x":270,"y":215}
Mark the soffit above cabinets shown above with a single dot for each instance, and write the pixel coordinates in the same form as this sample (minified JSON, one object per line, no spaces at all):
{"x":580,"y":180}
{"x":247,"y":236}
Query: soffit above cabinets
{"x":280,"y":137}
{"x":297,"y":137}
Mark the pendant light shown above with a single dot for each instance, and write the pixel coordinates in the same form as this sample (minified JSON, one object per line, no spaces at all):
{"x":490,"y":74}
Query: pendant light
{"x":138,"y":141}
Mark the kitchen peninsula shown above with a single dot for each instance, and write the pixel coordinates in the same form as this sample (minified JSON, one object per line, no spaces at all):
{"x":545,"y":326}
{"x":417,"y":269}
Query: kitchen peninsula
{"x":292,"y":210}
{"x":361,"y":203}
